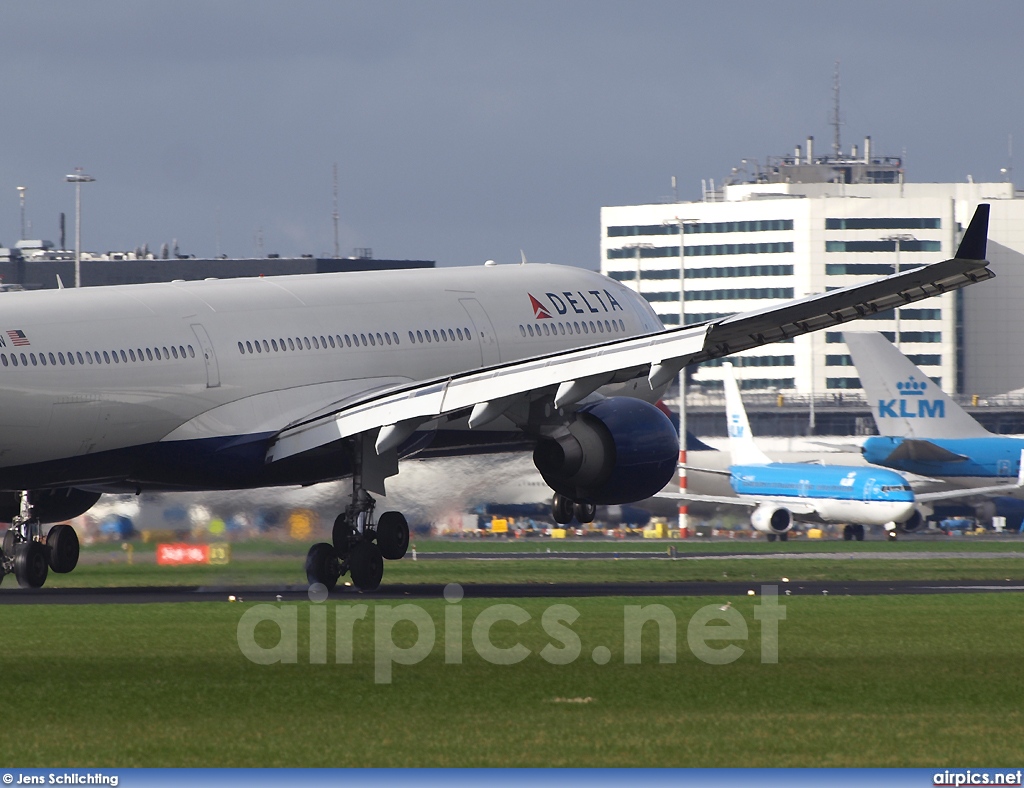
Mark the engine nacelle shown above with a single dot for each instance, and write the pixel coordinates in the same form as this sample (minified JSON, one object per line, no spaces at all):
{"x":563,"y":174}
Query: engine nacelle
{"x":915,"y":522}
{"x":50,"y":506}
{"x":771,"y":519}
{"x":618,"y":450}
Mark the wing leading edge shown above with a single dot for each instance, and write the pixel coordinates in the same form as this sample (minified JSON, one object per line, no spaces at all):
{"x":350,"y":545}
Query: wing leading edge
{"x":568,"y":376}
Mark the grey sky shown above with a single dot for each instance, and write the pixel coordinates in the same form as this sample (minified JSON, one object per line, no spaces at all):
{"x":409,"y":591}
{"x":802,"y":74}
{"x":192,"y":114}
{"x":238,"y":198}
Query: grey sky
{"x":467,"y":130}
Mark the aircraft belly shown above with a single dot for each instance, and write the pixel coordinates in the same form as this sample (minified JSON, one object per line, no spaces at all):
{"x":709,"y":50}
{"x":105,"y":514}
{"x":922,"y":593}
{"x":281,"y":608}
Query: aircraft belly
{"x":864,"y":512}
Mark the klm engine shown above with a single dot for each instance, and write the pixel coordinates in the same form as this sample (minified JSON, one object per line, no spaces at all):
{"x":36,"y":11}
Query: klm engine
{"x":770,"y":519}
{"x":917,"y":519}
{"x":616,"y":451}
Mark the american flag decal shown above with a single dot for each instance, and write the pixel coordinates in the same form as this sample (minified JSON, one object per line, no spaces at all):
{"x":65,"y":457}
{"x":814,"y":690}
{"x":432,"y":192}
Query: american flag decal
{"x":18,"y":338}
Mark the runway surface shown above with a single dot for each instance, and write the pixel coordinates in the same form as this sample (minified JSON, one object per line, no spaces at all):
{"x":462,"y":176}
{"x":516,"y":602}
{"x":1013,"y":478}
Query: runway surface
{"x":636,"y":555}
{"x":93,"y":596}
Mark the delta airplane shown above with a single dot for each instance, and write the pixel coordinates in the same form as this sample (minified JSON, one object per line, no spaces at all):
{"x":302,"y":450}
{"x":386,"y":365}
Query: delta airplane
{"x":923,"y":431}
{"x":296,"y":380}
{"x":855,"y":495}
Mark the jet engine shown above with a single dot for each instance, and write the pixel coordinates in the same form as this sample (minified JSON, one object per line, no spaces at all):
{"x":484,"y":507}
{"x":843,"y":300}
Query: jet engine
{"x":50,"y":506}
{"x":916,"y":521}
{"x":615,"y":451}
{"x":771,"y":519}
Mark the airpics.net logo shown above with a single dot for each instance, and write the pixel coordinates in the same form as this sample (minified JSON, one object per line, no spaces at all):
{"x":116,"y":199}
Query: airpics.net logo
{"x":714,"y":633}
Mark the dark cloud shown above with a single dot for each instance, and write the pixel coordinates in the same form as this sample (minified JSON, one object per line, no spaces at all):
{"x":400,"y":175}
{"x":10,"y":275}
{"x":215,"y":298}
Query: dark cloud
{"x":467,"y":130}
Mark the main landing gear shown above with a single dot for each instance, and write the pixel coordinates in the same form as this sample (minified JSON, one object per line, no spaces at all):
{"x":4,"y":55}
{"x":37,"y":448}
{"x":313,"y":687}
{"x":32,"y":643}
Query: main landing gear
{"x":29,"y":556}
{"x":851,"y":532}
{"x":563,"y":509}
{"x":359,"y":545}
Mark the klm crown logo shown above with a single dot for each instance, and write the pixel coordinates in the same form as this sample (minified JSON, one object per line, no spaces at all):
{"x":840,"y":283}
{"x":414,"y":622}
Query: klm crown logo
{"x":901,"y":407}
{"x":912,"y":388}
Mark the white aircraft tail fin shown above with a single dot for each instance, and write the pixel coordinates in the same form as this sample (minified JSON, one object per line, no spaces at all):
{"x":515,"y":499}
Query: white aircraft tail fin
{"x":741,"y":441}
{"x":905,"y":402}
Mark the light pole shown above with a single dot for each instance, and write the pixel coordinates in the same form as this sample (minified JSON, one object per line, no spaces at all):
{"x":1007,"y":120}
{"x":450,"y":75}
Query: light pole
{"x":78,"y":178}
{"x":21,"y":200}
{"x":636,"y":256}
{"x":684,"y":510}
{"x":899,"y":238}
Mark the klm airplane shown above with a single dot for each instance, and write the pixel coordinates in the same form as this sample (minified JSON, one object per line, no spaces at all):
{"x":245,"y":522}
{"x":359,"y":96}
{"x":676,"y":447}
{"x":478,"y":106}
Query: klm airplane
{"x":923,"y":431}
{"x":855,"y":495}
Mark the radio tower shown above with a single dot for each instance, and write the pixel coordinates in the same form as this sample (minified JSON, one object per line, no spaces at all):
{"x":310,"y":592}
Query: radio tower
{"x":836,"y":119}
{"x":334,"y":215}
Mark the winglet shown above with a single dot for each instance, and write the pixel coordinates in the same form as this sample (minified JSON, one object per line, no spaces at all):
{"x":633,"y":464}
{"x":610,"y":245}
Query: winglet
{"x":975,"y":240}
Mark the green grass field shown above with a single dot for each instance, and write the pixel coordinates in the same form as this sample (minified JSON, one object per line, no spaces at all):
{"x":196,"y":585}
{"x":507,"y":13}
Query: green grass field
{"x":861,"y":681}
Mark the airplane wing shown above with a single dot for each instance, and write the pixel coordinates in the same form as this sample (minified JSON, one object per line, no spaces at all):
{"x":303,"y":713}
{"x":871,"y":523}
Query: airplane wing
{"x":917,"y":449}
{"x":970,"y":492}
{"x":569,"y":376}
{"x":752,"y":503}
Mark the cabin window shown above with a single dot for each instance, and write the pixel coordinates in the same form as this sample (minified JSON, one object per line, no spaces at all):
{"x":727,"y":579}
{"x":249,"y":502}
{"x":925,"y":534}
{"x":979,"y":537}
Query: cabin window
{"x":330,"y":339}
{"x":131,"y":353}
{"x":258,"y":348}
{"x":191,"y":352}
{"x":380,"y":341}
{"x":305,"y":341}
{"x":61,"y":357}
{"x":316,"y":344}
{"x":79,"y":356}
{"x":3,"y":359}
{"x":174,"y":352}
{"x":387,"y":336}
{"x":395,"y":335}
{"x":14,"y":359}
{"x":266,"y":347}
{"x":419,"y":337}
{"x":248,"y":346}
{"x":42,"y":359}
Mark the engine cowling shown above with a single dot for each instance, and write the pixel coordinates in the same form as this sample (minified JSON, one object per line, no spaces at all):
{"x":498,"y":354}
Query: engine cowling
{"x":915,"y":522}
{"x":50,"y":506}
{"x":770,"y":519}
{"x":615,"y":451}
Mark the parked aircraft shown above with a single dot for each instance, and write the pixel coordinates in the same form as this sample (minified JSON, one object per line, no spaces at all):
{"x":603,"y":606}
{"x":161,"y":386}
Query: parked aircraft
{"x":923,"y":431}
{"x":854,"y":495}
{"x":288,"y":380}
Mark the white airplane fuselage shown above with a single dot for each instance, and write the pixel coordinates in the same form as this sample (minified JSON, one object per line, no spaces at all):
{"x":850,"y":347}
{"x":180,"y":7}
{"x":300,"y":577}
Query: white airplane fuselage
{"x":182,"y":385}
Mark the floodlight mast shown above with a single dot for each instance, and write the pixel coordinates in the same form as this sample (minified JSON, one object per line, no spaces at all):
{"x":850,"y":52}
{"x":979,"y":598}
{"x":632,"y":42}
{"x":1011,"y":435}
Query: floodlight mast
{"x":78,"y":178}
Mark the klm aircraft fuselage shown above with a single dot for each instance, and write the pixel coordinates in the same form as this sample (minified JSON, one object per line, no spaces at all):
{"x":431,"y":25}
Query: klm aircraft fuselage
{"x":872,"y":496}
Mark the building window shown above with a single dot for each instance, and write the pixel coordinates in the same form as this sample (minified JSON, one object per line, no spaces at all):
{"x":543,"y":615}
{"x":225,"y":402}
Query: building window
{"x":882,"y":223}
{"x":838,"y":361}
{"x":738,"y":293}
{"x":882,"y":246}
{"x":842,"y":383}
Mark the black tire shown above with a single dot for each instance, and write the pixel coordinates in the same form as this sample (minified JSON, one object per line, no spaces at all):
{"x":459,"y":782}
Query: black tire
{"x":8,"y":546}
{"x":584,"y":511}
{"x":30,"y":565}
{"x":392,"y":535}
{"x":771,"y":537}
{"x":366,"y":566}
{"x":341,"y":536}
{"x":784,"y":537}
{"x":858,"y":533}
{"x":63,"y":549}
{"x":322,"y":565}
{"x":562,"y":509}
{"x":847,"y":533}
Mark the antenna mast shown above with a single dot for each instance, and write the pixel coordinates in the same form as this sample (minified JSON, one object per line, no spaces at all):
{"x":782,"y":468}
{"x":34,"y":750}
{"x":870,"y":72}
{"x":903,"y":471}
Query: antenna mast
{"x":836,"y":119}
{"x":334,"y":215}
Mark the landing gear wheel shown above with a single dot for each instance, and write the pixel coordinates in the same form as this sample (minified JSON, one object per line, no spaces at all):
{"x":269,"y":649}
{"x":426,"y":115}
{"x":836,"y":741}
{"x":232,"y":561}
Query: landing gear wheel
{"x":341,"y":535}
{"x":561,"y":509}
{"x":847,"y":533}
{"x":892,"y":534}
{"x":366,"y":565}
{"x":392,"y":535}
{"x":771,"y":537}
{"x":858,"y":533}
{"x":30,"y":565}
{"x":9,"y":542}
{"x":62,"y":545}
{"x":584,"y":511}
{"x":784,"y":537}
{"x":322,"y":565}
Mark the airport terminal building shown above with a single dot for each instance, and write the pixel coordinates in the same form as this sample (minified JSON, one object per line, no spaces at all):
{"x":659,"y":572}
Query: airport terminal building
{"x":806,"y":224}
